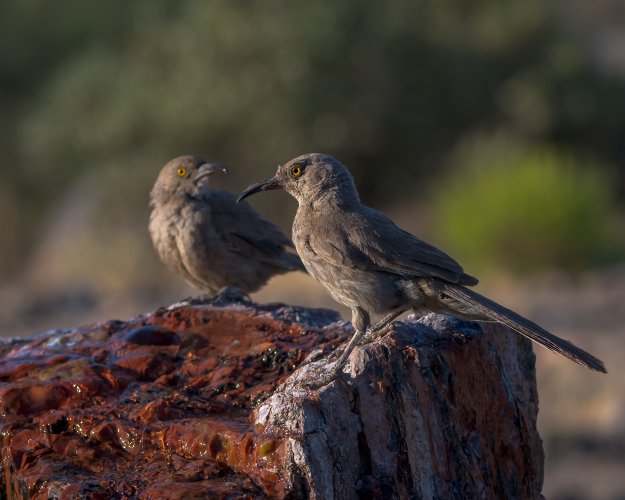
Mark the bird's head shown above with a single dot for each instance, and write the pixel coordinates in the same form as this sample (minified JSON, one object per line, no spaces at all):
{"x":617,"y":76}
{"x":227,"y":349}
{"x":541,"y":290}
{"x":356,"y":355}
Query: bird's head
{"x":185,"y":175}
{"x":309,"y":177}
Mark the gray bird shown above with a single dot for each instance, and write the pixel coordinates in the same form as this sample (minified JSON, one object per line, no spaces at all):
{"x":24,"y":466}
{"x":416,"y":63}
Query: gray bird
{"x":372,"y":266}
{"x":207,"y":237}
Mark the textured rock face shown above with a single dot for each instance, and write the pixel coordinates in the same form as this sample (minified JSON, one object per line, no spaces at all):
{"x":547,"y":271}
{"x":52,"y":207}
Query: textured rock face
{"x":433,"y":411}
{"x":201,"y":400}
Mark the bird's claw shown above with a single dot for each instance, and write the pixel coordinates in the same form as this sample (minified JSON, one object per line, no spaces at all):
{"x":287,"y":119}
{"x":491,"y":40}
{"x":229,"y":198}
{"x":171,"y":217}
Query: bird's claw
{"x":326,"y":372}
{"x":232,"y":293}
{"x":314,"y":355}
{"x":336,"y":353}
{"x":320,"y":375}
{"x":372,"y":335}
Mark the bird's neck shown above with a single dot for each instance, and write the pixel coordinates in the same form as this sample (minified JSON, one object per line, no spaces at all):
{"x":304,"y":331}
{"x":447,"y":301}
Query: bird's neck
{"x":174,"y":203}
{"x":331,"y":199}
{"x":340,"y":195}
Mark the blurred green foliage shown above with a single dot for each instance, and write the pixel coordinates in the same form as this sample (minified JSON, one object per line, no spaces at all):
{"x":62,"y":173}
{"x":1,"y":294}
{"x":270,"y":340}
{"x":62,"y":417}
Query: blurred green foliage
{"x":110,"y":91}
{"x":527,"y":208}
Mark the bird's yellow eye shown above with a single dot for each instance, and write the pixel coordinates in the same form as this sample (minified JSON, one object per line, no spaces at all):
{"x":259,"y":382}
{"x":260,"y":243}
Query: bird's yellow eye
{"x":181,"y":172}
{"x":296,"y":170}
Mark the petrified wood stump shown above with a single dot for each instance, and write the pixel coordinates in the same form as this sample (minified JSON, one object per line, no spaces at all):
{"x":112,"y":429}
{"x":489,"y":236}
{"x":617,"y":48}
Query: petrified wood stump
{"x":200,"y":400}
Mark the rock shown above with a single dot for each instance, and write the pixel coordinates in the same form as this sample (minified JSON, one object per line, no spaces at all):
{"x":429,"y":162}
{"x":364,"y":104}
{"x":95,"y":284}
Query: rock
{"x":202,"y":400}
{"x":435,"y":410}
{"x":153,"y":335}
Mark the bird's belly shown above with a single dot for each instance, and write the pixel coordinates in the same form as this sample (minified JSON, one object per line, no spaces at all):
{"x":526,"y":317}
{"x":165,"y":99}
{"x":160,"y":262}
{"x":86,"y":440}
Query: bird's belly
{"x":376,"y":292}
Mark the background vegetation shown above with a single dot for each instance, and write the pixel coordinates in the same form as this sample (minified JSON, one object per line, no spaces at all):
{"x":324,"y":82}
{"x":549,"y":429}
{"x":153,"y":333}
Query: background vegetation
{"x":528,"y":208}
{"x":100,"y":96}
{"x":493,"y":129}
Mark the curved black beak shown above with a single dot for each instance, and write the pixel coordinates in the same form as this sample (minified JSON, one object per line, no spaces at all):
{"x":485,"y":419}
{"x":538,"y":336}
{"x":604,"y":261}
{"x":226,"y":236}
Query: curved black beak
{"x":266,"y":185}
{"x":207,"y":169}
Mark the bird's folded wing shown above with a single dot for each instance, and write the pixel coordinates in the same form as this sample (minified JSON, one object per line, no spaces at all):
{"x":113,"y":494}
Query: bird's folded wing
{"x":244,"y":231}
{"x":376,"y":243}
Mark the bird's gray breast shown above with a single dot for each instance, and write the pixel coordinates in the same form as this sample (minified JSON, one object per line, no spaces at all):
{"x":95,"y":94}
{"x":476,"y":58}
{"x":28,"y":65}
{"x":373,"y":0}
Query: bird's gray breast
{"x":186,"y":243}
{"x":375,"y":291}
{"x":164,"y":225}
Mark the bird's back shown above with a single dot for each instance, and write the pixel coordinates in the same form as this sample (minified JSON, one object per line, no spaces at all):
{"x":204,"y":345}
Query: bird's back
{"x":246,"y":233}
{"x":366,"y":239}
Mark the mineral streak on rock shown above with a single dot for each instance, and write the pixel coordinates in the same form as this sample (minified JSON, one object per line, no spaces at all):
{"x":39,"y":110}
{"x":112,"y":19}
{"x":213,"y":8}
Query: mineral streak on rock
{"x":201,"y":400}
{"x":158,"y":407}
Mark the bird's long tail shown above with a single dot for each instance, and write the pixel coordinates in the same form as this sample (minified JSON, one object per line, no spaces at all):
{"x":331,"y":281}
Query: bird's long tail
{"x":471,"y":305}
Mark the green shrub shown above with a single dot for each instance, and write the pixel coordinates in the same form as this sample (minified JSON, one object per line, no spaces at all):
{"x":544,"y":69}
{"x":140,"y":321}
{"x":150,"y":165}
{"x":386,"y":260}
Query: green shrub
{"x":527,"y":210}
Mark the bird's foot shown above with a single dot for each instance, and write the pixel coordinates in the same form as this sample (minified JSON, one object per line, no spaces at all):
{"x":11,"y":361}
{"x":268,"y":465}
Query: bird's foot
{"x":198,"y":300}
{"x":314,"y":355}
{"x":336,"y":353}
{"x":232,"y":294}
{"x":320,"y":374}
{"x":331,"y":371}
{"x":373,"y":334}
{"x":226,"y":295}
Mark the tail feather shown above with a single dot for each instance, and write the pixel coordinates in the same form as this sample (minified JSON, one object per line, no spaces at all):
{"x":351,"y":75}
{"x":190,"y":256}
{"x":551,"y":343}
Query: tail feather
{"x":478,"y":305}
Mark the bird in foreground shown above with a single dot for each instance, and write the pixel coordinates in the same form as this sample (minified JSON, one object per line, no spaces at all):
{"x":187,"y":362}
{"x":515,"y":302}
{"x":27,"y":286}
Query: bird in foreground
{"x":207,"y":237}
{"x":370,"y":265}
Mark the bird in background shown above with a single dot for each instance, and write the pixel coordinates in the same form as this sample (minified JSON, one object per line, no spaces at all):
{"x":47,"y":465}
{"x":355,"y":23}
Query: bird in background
{"x":208,"y":238}
{"x":372,"y":266}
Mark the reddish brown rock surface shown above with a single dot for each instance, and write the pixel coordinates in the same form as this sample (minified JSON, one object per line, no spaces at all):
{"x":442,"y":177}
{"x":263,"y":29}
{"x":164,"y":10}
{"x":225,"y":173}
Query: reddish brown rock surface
{"x":187,"y":402}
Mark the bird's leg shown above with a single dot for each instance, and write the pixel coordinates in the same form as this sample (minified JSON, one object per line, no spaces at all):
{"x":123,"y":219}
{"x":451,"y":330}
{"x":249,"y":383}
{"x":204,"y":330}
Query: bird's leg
{"x":380,"y":328}
{"x":360,"y":320}
{"x":374,"y":331}
{"x":364,"y":332}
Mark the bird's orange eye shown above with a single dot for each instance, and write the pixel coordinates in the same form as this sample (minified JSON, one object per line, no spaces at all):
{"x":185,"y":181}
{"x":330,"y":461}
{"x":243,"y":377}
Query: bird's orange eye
{"x":181,"y":172}
{"x":296,"y":170}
